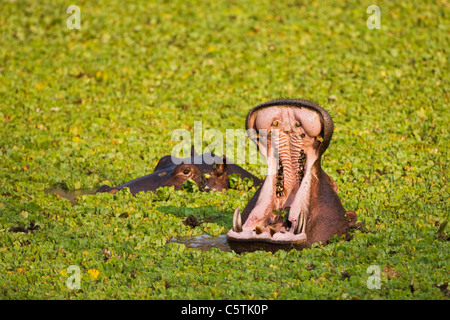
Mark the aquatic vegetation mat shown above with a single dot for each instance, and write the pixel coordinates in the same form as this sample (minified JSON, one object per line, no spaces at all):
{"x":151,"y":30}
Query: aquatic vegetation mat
{"x":84,"y":107}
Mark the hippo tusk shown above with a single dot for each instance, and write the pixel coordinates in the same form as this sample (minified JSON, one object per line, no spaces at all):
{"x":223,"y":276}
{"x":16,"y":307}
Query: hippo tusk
{"x":300,"y":223}
{"x":237,"y":221}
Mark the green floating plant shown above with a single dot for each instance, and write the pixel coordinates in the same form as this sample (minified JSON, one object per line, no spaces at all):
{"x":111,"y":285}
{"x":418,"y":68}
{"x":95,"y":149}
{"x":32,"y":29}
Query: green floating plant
{"x":236,"y":182}
{"x":82,"y":108}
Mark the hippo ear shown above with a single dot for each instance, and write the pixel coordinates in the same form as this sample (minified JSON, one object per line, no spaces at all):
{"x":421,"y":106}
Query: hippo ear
{"x":220,"y":168}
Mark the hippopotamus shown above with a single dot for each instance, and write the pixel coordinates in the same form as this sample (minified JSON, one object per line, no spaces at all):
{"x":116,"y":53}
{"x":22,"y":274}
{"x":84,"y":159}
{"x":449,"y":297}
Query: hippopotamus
{"x":172,"y":171}
{"x":297,"y":204}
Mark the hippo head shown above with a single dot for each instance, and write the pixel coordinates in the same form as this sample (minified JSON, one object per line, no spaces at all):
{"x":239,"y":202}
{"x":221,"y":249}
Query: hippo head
{"x":208,"y":171}
{"x":297,"y":203}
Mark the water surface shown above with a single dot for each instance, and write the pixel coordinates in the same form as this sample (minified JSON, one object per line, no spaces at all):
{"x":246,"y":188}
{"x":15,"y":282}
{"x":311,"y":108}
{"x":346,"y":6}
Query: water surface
{"x":70,"y":194}
{"x":205,"y":242}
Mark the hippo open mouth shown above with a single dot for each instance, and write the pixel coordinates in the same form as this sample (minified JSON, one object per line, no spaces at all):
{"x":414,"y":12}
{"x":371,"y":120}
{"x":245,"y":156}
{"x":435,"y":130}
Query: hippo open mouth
{"x":297,"y":203}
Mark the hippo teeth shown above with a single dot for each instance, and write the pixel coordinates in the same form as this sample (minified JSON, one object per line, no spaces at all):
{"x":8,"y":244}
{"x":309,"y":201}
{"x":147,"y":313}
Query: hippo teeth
{"x":279,"y":185}
{"x":272,"y":231}
{"x":237,"y":220}
{"x":301,"y":165}
{"x":259,"y":230}
{"x":300,"y":223}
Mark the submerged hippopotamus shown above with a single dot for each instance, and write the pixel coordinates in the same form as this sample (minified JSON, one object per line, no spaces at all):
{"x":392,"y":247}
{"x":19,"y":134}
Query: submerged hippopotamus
{"x":297,"y":203}
{"x":168,"y":173}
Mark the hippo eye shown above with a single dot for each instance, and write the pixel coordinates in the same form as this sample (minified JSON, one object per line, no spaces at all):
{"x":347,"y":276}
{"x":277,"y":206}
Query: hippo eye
{"x":297,"y":124}
{"x":186,"y":171}
{"x":275,"y":123}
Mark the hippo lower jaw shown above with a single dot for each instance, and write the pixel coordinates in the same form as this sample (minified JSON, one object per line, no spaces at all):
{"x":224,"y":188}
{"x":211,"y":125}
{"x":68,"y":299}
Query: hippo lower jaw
{"x":297,"y":203}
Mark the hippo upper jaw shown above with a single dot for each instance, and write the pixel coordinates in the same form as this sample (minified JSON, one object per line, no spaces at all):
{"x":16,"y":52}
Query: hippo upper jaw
{"x":296,"y":193}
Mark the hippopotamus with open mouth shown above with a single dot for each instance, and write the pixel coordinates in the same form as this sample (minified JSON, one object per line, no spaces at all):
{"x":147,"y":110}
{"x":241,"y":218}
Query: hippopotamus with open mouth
{"x":297,"y":203}
{"x":172,"y":171}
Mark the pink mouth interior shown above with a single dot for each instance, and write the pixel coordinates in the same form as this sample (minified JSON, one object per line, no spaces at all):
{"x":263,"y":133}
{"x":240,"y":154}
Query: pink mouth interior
{"x":291,"y":148}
